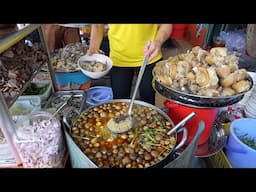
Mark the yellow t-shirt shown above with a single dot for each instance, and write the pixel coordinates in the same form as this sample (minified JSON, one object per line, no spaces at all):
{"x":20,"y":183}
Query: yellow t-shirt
{"x":127,"y":43}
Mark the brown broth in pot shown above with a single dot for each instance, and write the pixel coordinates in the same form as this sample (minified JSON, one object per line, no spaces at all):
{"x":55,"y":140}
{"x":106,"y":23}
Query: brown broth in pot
{"x":143,"y":146}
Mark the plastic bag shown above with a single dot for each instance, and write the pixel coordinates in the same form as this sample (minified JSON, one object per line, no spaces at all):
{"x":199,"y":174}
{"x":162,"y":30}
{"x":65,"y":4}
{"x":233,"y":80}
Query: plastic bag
{"x":234,"y":40}
{"x":40,"y":141}
{"x":251,"y":40}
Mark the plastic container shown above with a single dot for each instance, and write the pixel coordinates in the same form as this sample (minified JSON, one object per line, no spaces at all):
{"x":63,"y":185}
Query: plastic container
{"x":178,"y":112}
{"x":64,"y":79}
{"x":24,"y":106}
{"x":44,"y":96}
{"x":40,"y":141}
{"x":239,"y":154}
{"x":98,"y":94}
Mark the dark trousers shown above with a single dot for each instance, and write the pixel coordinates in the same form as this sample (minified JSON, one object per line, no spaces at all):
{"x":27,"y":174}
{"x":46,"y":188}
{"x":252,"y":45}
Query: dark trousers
{"x":121,"y":82}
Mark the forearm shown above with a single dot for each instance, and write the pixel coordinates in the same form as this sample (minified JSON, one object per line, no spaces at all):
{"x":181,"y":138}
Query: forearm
{"x":153,"y":48}
{"x":97,"y":32}
{"x":164,"y":33}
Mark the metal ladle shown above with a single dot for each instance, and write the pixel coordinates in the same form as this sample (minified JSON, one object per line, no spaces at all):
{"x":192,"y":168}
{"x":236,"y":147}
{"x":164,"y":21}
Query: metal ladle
{"x":61,"y":107}
{"x":182,"y":123}
{"x":123,"y":123}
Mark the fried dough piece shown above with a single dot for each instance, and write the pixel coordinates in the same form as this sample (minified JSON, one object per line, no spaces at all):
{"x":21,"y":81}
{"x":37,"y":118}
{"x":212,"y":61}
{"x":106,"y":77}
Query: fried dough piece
{"x":231,"y":59}
{"x":233,"y":67}
{"x":234,"y":77}
{"x":202,"y":76}
{"x":213,"y":78}
{"x":241,"y":86}
{"x":228,"y":92}
{"x":217,"y":56}
{"x":219,"y":51}
{"x":173,"y":70}
{"x":241,"y":74}
{"x":209,"y":92}
{"x":223,"y":71}
{"x":211,"y":60}
{"x":229,"y":80}
{"x":165,"y":79}
{"x":195,"y":50}
{"x":191,"y":76}
{"x":174,"y":59}
{"x":159,"y":68}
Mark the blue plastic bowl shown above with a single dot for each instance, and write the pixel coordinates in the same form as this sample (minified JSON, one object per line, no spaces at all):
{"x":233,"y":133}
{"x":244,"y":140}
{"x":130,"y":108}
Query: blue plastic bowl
{"x":64,"y":78}
{"x":239,"y":154}
{"x":99,"y":94}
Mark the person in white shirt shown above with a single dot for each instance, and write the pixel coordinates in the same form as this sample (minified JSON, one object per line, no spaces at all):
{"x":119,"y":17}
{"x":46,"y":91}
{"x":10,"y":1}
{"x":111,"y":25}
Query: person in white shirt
{"x":58,"y":36}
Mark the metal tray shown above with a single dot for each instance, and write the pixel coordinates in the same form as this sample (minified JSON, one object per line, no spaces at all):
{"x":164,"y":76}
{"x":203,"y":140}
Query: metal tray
{"x":64,"y":95}
{"x":197,"y":100}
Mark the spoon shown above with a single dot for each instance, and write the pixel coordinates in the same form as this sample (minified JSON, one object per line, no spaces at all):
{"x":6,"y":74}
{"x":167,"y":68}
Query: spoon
{"x":123,"y":123}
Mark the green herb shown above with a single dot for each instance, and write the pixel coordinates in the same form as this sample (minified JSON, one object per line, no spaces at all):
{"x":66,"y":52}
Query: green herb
{"x":136,"y":134}
{"x":149,"y":135}
{"x":34,"y":89}
{"x":160,"y":130}
{"x":158,"y":118}
{"x":249,"y":141}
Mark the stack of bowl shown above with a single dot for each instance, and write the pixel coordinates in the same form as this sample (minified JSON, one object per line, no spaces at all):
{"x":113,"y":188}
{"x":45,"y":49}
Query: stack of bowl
{"x":250,"y":107}
{"x":247,"y":95}
{"x":250,"y":104}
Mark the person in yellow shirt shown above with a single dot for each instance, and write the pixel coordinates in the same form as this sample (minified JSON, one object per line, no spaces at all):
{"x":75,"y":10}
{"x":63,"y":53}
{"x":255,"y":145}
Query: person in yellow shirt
{"x":129,"y":43}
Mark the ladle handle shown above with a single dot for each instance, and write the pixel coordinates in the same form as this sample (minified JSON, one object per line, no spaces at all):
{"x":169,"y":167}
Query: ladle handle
{"x":182,"y":123}
{"x":141,"y":72}
{"x":60,"y":108}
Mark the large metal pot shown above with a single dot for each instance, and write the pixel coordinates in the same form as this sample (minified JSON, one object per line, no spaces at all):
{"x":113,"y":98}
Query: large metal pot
{"x":159,"y":163}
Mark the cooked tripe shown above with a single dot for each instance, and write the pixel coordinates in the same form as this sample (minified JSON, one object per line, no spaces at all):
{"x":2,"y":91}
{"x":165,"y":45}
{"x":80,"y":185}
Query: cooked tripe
{"x":215,"y":73}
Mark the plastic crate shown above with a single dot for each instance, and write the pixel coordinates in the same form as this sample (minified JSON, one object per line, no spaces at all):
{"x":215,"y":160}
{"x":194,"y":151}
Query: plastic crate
{"x":220,"y":160}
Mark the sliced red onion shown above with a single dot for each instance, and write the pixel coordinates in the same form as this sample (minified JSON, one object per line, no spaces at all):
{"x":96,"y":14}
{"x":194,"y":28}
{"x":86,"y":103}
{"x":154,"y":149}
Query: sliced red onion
{"x":40,"y":144}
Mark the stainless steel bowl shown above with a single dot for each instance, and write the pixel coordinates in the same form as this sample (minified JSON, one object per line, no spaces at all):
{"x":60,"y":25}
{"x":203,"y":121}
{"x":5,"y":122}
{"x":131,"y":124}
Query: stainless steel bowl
{"x":198,"y":101}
